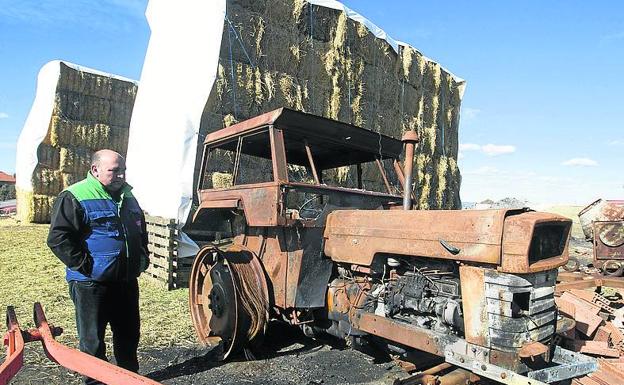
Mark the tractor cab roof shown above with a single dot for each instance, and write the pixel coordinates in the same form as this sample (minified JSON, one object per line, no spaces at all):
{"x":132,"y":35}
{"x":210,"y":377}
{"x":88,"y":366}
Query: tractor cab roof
{"x":331,"y":143}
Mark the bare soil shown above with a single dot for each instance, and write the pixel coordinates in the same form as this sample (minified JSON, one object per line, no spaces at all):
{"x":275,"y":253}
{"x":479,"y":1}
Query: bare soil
{"x":287,"y":357}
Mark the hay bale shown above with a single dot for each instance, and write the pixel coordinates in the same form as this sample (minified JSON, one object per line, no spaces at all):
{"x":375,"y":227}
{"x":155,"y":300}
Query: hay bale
{"x":91,"y":111}
{"x":46,"y":181}
{"x":221,"y":180}
{"x":75,"y":160}
{"x":315,"y":59}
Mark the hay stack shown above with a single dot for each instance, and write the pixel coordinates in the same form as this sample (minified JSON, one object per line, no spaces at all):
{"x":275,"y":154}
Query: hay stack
{"x":91,"y":111}
{"x":293,"y":53}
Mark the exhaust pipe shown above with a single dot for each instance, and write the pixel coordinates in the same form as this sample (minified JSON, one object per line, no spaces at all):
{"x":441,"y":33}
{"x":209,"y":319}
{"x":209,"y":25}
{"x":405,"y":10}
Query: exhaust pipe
{"x":410,"y":138}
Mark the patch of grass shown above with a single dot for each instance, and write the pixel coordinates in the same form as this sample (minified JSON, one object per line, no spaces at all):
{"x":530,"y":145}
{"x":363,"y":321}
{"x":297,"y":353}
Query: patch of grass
{"x":30,"y":273}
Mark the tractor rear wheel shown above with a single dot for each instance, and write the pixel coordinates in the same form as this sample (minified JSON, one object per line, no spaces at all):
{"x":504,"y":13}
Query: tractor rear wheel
{"x":228,"y":298}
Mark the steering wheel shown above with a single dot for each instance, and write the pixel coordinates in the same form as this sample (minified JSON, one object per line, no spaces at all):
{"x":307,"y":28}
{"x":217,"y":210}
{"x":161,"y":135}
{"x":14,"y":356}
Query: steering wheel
{"x":315,"y":211}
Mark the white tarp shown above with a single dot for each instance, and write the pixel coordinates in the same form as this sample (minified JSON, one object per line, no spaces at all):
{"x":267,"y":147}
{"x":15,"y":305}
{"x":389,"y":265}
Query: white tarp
{"x":178,"y":74}
{"x":38,"y":121}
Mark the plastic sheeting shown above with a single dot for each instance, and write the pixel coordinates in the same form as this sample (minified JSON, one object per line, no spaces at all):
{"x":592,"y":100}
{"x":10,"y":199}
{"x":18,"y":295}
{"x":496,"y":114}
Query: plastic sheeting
{"x":38,"y":121}
{"x":178,"y":73}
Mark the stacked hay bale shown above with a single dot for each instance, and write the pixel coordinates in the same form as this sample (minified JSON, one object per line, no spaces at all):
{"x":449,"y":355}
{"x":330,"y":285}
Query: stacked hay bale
{"x":91,"y":111}
{"x":311,"y":58}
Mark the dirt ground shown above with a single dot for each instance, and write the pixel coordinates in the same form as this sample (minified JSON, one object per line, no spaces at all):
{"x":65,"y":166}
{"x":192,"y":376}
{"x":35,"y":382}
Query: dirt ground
{"x":287,"y":358}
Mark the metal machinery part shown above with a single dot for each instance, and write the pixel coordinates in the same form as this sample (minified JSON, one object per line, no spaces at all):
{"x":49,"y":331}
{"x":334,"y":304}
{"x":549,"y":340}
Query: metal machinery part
{"x":217,"y":300}
{"x":474,"y":287}
{"x":72,"y":359}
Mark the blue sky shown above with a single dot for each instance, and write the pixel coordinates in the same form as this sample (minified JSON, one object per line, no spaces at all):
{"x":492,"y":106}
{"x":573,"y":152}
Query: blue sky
{"x":542,"y":114}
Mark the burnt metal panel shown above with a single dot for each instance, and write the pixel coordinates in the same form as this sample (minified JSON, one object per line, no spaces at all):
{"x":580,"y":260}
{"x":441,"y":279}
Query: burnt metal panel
{"x":472,"y":280}
{"x":331,"y":143}
{"x":355,"y":236}
{"x":535,"y":241}
{"x":609,"y":240}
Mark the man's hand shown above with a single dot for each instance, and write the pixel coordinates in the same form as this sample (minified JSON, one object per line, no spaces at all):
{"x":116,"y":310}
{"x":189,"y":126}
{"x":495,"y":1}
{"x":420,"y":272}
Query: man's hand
{"x":86,"y":267}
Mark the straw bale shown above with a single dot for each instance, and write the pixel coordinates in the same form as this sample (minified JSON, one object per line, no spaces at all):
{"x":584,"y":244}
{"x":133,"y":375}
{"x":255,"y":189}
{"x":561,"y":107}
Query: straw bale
{"x":68,"y":179}
{"x":75,"y":160}
{"x":46,"y":181}
{"x":24,"y":205}
{"x":64,"y":132}
{"x":34,"y":208}
{"x":221,"y":180}
{"x":316,"y":60}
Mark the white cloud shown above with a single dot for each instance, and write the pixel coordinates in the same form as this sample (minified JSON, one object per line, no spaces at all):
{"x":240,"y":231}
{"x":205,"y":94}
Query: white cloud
{"x":580,"y":162}
{"x":469,"y":147}
{"x":488,"y":149}
{"x":3,"y":115}
{"x":460,"y":155}
{"x":616,"y":142}
{"x":470,"y":113}
{"x":494,"y":149}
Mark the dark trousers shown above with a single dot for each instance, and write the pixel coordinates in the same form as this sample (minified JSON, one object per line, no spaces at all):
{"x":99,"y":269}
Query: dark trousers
{"x":98,"y":304}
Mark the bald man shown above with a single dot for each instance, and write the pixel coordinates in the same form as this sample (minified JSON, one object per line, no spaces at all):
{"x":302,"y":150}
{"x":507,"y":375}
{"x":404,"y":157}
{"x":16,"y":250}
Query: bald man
{"x":98,"y":231}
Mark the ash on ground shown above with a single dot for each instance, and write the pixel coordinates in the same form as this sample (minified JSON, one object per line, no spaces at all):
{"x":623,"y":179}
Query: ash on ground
{"x":285,"y":358}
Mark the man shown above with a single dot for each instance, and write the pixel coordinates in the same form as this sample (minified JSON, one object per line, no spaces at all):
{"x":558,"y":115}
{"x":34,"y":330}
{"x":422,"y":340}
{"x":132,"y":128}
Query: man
{"x":98,"y":231}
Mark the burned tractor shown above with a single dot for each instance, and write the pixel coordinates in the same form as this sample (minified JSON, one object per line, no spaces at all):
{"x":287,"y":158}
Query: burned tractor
{"x":475,"y":288}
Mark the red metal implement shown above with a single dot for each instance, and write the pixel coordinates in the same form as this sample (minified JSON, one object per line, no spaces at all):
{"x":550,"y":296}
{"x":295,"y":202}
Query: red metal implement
{"x":67,"y":357}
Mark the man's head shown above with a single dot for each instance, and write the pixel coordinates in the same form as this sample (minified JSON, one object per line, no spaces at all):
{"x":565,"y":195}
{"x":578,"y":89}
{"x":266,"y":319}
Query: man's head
{"x":109,"y":167}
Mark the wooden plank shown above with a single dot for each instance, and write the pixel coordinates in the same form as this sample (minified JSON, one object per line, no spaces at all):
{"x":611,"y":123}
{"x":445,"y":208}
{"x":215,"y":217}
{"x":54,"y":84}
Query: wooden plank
{"x":162,"y":242}
{"x":158,"y":230}
{"x":156,"y":249}
{"x":158,"y":220}
{"x":160,"y":262}
{"x":160,"y":271}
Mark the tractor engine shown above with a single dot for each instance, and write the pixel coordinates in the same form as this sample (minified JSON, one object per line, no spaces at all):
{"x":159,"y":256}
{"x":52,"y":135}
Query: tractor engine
{"x":424,"y":294}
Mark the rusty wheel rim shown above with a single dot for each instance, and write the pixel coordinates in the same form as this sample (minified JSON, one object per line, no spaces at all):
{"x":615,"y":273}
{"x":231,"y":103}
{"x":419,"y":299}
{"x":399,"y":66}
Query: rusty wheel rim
{"x":213,"y":301}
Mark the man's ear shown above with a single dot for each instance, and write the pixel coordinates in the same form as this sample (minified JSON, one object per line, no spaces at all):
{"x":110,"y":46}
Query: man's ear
{"x":94,"y":170}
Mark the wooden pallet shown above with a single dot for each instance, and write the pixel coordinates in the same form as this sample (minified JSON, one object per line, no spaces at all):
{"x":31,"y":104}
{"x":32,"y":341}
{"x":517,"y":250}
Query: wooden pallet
{"x":165,"y":266}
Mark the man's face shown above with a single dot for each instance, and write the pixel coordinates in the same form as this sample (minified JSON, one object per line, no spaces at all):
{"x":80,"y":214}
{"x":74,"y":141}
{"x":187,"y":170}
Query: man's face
{"x":110,"y":171}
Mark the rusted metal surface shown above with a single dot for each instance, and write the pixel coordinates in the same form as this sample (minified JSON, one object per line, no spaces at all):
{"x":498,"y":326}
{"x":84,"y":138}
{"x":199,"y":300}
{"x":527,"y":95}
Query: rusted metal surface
{"x":383,"y":175}
{"x":325,"y":138}
{"x":609,"y":246}
{"x":581,"y":281}
{"x":355,"y":236}
{"x":427,"y":377}
{"x":278,"y":155}
{"x":71,"y":359}
{"x":522,"y":251}
{"x":474,"y":307}
{"x":406,"y":334}
{"x":600,"y":210}
{"x":532,"y":349}
{"x":216,"y":296}
{"x":410,"y":138}
{"x":313,"y":166}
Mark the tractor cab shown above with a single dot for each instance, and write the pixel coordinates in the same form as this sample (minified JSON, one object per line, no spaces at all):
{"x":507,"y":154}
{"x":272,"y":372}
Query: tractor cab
{"x":290,"y":168}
